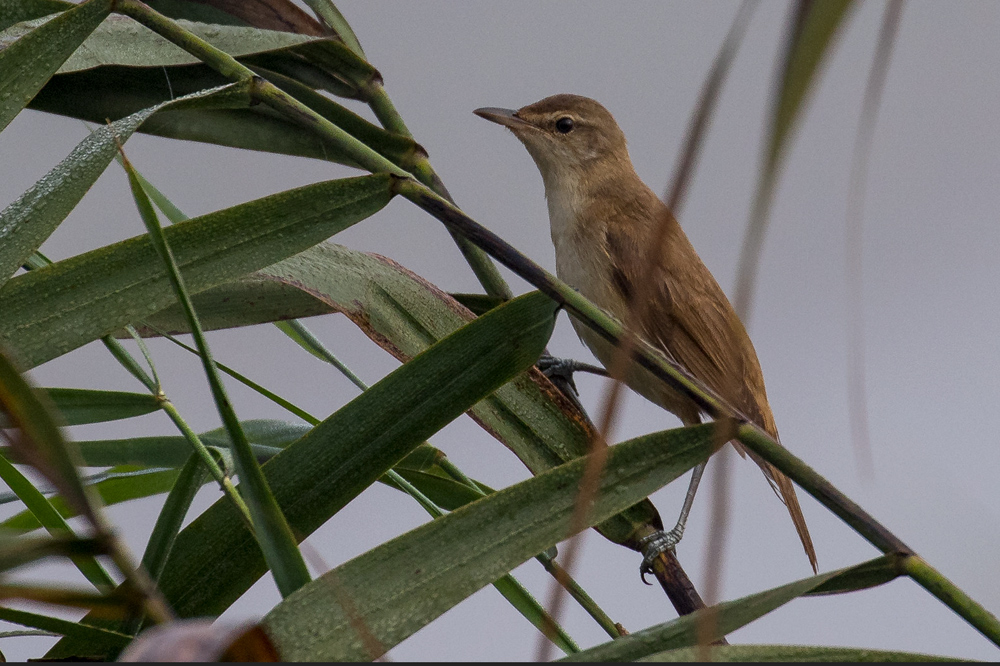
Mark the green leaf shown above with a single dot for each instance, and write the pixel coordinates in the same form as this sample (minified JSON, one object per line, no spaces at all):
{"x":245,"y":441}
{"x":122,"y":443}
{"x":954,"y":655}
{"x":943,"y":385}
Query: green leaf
{"x":316,"y":476}
{"x":445,"y":492}
{"x":173,"y":450}
{"x":400,"y":586}
{"x":28,"y":221}
{"x":15,"y":11}
{"x":120,"y":486}
{"x":16,"y":552}
{"x":269,"y":14}
{"x":318,"y":61}
{"x":124,"y":42}
{"x":813,"y":32}
{"x":731,"y":615}
{"x":188,"y":481}
{"x":94,"y":636}
{"x":478,"y":303}
{"x":404,"y":314}
{"x":55,"y":309}
{"x":267,"y":438}
{"x":270,"y":527}
{"x":81,"y":406}
{"x":115,"y":92}
{"x":29,"y":56}
{"x":401,"y":150}
{"x":195,"y":11}
{"x":794,"y":653}
{"x":215,"y":559}
{"x":37,"y":440}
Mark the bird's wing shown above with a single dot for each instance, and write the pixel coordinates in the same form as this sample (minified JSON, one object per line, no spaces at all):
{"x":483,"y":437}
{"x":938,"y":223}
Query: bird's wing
{"x":699,"y":329}
{"x":692,"y":325}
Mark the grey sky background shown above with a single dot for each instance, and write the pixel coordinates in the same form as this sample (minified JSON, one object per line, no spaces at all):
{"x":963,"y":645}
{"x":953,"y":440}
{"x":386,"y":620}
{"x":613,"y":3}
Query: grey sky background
{"x":931,"y":301}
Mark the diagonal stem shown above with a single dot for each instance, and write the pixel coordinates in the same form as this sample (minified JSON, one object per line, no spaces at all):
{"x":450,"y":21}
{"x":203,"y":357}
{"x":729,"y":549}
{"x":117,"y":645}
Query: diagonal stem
{"x":677,"y":378}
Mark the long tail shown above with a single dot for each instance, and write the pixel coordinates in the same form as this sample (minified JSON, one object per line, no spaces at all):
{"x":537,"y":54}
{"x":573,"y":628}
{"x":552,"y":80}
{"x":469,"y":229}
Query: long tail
{"x":787,"y":493}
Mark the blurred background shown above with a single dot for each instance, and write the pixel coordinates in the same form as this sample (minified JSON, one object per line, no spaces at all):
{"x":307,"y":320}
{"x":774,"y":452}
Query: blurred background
{"x":931,"y":303}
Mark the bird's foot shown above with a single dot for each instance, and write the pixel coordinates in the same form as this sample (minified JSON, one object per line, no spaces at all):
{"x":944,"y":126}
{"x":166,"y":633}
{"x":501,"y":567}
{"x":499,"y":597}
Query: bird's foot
{"x":563,"y":368}
{"x":654,"y":544}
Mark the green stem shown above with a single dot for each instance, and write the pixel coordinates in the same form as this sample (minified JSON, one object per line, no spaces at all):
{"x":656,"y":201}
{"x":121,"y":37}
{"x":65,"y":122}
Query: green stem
{"x":679,"y":380}
{"x":579,"y":595}
{"x":508,"y":586}
{"x":561,"y":576}
{"x":327,"y":11}
{"x":297,"y":331}
{"x":952,"y":597}
{"x":274,"y":535}
{"x":860,"y":521}
{"x":385,"y":111}
{"x":266,"y":92}
{"x":480,"y":263}
{"x":53,"y":522}
{"x":225,"y":483}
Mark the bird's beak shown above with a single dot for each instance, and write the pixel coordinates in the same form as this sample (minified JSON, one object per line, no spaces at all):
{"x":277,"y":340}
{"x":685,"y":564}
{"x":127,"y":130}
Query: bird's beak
{"x":505,"y":117}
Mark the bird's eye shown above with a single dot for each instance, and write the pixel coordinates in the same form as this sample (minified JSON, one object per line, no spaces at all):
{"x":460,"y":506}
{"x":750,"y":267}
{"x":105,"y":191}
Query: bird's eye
{"x":564,"y":125}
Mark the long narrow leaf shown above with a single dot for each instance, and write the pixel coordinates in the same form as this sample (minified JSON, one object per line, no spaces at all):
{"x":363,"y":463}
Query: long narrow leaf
{"x":190,"y":479}
{"x":269,"y":14}
{"x":114,"y":92}
{"x":270,"y":526}
{"x":173,"y":450}
{"x":400,"y":586}
{"x":95,"y":636}
{"x":119,"y":487}
{"x":29,"y":58}
{"x":38,"y":441}
{"x":215,"y":558}
{"x":16,"y":11}
{"x":316,"y":476}
{"x":80,"y":406}
{"x":16,"y":552}
{"x":123,"y":42}
{"x":29,"y":220}
{"x":404,"y":314}
{"x":55,"y":309}
{"x":46,"y":515}
{"x":727,"y":617}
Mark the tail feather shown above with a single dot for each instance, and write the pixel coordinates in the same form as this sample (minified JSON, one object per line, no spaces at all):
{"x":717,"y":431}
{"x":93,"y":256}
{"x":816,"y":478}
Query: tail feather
{"x":787,"y":492}
{"x":783,"y":488}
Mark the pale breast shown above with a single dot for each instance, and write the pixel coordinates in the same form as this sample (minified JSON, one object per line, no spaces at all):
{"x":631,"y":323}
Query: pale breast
{"x":582,"y":262}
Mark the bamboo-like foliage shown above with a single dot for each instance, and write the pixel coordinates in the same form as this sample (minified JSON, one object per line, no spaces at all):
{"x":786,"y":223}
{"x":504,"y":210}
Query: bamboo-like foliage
{"x":269,"y":81}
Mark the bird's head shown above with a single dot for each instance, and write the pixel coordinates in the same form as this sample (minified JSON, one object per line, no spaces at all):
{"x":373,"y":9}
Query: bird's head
{"x":566,"y":135}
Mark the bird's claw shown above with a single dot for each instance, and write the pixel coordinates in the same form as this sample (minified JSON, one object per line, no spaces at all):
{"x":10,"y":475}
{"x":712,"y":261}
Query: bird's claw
{"x":654,"y":544}
{"x":559,"y":370}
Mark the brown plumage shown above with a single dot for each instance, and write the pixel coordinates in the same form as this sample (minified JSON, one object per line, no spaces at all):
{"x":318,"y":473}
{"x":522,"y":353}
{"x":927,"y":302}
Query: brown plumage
{"x":602,"y":217}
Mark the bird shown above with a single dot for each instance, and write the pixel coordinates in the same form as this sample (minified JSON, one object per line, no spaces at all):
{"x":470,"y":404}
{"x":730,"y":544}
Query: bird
{"x":602,"y":218}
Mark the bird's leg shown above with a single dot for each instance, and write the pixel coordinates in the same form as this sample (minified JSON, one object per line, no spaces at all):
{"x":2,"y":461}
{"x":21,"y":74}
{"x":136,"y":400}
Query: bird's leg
{"x":560,"y":372}
{"x":563,"y":368}
{"x":659,"y":542}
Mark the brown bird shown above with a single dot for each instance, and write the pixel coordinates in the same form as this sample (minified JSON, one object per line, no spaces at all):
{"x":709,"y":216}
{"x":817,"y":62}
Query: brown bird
{"x":602,"y":218}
